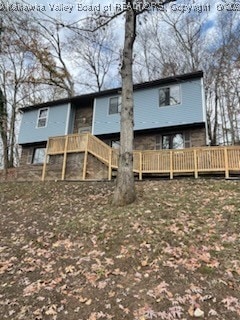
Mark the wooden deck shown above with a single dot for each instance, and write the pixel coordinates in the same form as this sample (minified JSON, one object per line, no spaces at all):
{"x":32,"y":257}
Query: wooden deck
{"x":224,"y":160}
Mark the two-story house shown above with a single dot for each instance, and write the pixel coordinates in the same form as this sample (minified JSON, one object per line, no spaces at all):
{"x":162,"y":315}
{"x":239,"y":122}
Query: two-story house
{"x":169,"y":113}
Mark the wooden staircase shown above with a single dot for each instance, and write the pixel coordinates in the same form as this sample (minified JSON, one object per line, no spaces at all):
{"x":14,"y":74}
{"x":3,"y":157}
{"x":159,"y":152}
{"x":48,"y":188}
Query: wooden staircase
{"x":80,"y":143}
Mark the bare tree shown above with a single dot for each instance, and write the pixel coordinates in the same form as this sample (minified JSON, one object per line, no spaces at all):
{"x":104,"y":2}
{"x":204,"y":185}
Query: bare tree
{"x":125,"y":188}
{"x":42,"y":38}
{"x":96,"y":55}
{"x":13,"y":73}
{"x":3,"y":130}
{"x":222,"y":81}
{"x":47,"y":47}
{"x":170,"y":44}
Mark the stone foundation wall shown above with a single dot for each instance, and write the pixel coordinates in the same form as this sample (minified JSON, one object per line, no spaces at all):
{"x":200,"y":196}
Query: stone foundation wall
{"x":198,"y":137}
{"x":145,"y":142}
{"x":74,"y":167}
{"x":96,"y":170}
{"x":148,"y":141}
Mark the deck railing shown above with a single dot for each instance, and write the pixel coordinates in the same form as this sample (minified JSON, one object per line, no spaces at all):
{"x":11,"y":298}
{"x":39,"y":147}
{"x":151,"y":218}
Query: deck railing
{"x":224,"y":159}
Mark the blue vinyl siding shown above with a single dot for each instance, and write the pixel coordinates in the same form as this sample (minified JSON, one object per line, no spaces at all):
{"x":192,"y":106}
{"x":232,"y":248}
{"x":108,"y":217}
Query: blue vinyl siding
{"x":56,"y":124}
{"x":148,"y":114}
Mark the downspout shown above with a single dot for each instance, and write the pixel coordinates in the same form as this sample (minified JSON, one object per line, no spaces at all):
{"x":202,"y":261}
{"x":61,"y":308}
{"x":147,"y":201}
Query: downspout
{"x":204,"y":111}
{"x":93,"y":117}
{"x":68,"y":119}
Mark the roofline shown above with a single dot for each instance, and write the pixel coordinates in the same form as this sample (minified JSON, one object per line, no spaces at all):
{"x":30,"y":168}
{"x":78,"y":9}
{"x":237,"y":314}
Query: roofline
{"x":139,"y":86}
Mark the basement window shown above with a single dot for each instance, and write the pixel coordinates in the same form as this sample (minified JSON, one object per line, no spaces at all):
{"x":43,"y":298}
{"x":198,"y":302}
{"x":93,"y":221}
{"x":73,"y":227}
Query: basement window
{"x":42,"y":118}
{"x":115,"y":144}
{"x":173,"y":141}
{"x":39,"y":155}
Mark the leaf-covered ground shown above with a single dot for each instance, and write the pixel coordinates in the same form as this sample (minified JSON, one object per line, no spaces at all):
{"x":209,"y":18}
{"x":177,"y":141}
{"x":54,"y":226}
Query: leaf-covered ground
{"x":67,"y":254}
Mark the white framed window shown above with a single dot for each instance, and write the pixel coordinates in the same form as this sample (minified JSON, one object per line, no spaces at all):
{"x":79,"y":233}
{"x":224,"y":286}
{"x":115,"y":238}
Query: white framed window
{"x":169,"y":96}
{"x":114,"y":105}
{"x":42,"y":117}
{"x":39,"y":155}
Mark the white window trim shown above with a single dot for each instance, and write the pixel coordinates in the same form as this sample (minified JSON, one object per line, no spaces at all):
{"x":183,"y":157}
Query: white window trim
{"x":119,"y":105}
{"x":39,"y":110}
{"x":169,"y":86}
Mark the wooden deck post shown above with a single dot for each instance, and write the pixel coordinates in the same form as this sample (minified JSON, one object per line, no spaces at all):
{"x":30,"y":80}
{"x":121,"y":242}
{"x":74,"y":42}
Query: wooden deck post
{"x":140,"y":165}
{"x":171,"y":165}
{"x":45,"y":162}
{"x":195,"y":164}
{"x":64,"y":158}
{"x":226,"y":163}
{"x":110,"y":165}
{"x":85,"y":160}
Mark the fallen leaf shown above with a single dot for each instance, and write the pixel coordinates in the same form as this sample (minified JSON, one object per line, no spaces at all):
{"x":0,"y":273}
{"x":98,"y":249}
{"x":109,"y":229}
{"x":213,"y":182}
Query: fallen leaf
{"x":52,"y":310}
{"x":88,"y":302}
{"x":198,"y":313}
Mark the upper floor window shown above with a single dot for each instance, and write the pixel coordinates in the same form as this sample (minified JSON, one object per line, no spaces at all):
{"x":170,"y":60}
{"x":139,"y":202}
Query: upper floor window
{"x":169,"y":96}
{"x":42,"y":118}
{"x":114,"y":105}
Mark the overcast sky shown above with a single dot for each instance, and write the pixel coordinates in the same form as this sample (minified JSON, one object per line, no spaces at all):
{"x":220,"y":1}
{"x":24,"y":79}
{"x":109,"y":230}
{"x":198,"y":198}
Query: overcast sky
{"x":75,"y":9}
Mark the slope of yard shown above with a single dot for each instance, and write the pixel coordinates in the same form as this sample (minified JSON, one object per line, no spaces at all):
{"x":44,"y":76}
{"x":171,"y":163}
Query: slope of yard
{"x":67,"y":254}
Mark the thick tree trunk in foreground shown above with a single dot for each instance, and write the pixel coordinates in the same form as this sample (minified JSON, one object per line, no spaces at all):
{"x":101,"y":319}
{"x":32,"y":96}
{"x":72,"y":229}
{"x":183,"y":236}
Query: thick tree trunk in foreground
{"x":125,"y":188}
{"x":3,"y":132}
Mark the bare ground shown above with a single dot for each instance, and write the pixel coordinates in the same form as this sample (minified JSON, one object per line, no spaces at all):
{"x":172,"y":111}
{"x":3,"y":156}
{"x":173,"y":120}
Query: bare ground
{"x":67,"y":254}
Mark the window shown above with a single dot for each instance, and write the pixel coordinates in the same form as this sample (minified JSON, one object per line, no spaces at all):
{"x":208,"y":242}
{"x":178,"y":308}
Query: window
{"x":114,"y":105}
{"x":187,"y":139}
{"x":85,"y":129}
{"x":173,"y":141}
{"x":158,"y":142}
{"x":169,"y":96}
{"x":115,"y":144}
{"x":42,"y":118}
{"x":39,"y":155}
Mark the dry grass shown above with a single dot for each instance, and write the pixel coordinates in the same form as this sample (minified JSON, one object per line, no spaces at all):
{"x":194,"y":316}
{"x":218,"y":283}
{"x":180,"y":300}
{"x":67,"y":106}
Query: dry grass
{"x":67,"y":254}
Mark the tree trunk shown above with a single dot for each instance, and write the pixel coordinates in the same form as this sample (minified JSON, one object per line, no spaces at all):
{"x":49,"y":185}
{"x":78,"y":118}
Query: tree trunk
{"x":12,"y":136}
{"x":215,"y":125}
{"x":3,"y":132}
{"x":125,"y":188}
